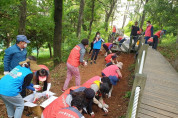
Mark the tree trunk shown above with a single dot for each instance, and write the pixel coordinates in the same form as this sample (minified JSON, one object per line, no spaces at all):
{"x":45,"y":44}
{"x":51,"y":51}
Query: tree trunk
{"x":143,"y":16}
{"x":92,"y":17}
{"x":58,"y":9}
{"x":125,"y":15}
{"x":82,"y":4}
{"x":50,"y":50}
{"x":37,"y":51}
{"x":176,"y":60}
{"x":108,"y":14}
{"x":22,"y":16}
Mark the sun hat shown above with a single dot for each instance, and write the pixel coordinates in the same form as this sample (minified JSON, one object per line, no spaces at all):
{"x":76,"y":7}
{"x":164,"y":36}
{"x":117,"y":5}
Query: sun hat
{"x":120,"y":64}
{"x":33,"y":65}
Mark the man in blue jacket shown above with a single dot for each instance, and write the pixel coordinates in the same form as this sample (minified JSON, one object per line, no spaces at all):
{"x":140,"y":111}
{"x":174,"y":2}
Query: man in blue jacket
{"x":15,"y":54}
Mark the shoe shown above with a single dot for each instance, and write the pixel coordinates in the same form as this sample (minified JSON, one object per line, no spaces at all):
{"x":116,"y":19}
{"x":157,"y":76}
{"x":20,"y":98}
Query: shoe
{"x":90,"y":62}
{"x":63,"y":90}
{"x":95,"y":62}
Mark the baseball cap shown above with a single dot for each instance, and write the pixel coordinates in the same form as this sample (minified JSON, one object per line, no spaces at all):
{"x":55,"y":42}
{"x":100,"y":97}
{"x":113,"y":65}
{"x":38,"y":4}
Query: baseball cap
{"x":113,"y":80}
{"x":113,"y":56}
{"x":22,"y":38}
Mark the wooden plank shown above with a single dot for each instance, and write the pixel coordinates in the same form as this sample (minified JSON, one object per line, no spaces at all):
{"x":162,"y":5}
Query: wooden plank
{"x":141,"y":115}
{"x":161,"y":96}
{"x":159,"y":110}
{"x":161,"y":101}
{"x":152,"y":113}
{"x":159,"y":105}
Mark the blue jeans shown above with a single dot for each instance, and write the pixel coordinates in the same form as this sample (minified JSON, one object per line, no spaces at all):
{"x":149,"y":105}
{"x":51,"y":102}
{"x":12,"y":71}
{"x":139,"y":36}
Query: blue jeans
{"x":14,"y":105}
{"x":121,"y":41}
{"x":95,"y":54}
{"x":146,"y":39}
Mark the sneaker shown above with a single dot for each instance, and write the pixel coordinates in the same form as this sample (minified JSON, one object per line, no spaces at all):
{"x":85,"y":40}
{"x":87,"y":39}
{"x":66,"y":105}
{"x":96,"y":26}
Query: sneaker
{"x":90,"y":62}
{"x":95,"y":62}
{"x":63,"y":90}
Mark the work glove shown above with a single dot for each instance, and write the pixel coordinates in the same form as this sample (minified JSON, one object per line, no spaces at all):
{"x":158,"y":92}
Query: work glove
{"x":6,"y":72}
{"x":35,"y":97}
{"x":109,"y":95}
{"x":105,"y":110}
{"x":47,"y":91}
{"x":92,"y":114}
{"x":100,"y":105}
{"x":106,"y":106}
{"x":37,"y":87}
{"x":110,"y":51}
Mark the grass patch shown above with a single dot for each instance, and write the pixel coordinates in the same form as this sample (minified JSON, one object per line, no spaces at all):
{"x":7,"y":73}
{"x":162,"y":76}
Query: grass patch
{"x":168,"y":48}
{"x":127,"y":94}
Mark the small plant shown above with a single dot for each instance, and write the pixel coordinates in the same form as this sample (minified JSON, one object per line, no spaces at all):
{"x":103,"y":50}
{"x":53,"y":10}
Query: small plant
{"x":122,"y":116}
{"x":127,"y":94}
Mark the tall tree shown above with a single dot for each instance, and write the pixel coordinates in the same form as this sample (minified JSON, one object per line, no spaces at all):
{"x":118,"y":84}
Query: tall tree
{"x":92,"y":17}
{"x":80,"y":17}
{"x":143,"y":15}
{"x":125,"y":15}
{"x":176,"y":60}
{"x":22,"y":16}
{"x":58,"y":9}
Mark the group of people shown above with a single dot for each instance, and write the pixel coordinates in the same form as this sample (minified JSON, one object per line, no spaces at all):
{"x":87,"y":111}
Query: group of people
{"x":93,"y":90}
{"x":150,"y":39}
{"x":19,"y":71}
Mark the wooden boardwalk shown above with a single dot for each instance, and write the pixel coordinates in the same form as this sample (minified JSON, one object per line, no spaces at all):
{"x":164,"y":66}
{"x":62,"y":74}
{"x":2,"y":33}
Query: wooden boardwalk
{"x":160,"y":96}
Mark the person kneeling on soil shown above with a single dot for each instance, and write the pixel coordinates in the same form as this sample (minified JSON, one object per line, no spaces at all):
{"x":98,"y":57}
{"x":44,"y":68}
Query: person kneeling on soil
{"x":107,"y":47}
{"x":75,"y":111}
{"x":101,"y":89}
{"x":11,"y":86}
{"x":112,"y":59}
{"x":113,"y":70}
{"x":39,"y":77}
{"x":65,"y":101}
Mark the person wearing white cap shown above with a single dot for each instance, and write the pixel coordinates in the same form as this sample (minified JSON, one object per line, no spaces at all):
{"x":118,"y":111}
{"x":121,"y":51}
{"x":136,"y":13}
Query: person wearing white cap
{"x":113,"y":70}
{"x":15,"y":54}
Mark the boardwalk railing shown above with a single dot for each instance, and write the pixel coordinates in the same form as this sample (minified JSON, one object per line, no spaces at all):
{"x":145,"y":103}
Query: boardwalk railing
{"x":139,"y":81}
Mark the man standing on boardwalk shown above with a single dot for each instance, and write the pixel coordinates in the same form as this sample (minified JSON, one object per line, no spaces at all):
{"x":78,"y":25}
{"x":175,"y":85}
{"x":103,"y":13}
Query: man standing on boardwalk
{"x":74,"y":60}
{"x":148,"y":31}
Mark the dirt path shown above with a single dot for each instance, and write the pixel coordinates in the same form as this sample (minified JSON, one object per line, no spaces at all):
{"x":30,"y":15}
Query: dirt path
{"x":117,"y":103}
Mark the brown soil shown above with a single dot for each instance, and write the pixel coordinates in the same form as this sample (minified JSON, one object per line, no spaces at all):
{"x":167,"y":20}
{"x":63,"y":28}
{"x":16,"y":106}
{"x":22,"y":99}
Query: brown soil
{"x":117,"y":103}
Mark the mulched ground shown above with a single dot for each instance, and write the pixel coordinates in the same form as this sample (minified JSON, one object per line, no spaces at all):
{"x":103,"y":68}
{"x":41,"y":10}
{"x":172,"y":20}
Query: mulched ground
{"x":117,"y":103}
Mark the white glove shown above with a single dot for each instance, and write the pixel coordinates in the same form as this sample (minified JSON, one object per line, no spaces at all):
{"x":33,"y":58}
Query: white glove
{"x":35,"y":97}
{"x":37,"y":87}
{"x":6,"y":72}
{"x":47,"y":91}
{"x":109,"y":95}
{"x":85,"y":63}
{"x":106,"y":106}
{"x":92,"y":114}
{"x":110,"y":51}
{"x":105,"y":110}
{"x":100,"y":105}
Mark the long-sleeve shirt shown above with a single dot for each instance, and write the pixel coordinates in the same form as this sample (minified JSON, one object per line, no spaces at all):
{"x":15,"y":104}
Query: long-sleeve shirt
{"x":13,"y":55}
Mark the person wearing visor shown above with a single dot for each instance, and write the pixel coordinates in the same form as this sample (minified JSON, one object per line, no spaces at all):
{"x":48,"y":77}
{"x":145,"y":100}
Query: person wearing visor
{"x":11,"y":85}
{"x":15,"y":54}
{"x":40,"y":77}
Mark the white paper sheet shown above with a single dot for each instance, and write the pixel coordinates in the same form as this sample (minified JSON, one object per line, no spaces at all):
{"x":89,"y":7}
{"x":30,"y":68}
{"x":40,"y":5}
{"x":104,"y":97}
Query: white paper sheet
{"x":29,"y":99}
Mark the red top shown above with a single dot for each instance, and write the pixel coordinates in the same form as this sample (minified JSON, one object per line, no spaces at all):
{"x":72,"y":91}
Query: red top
{"x":74,"y":57}
{"x":148,"y":31}
{"x":107,"y":44}
{"x":158,"y":33}
{"x":107,"y":59}
{"x":120,"y":37}
{"x":51,"y":110}
{"x":114,"y":29}
{"x":111,"y":70}
{"x":88,"y":83}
